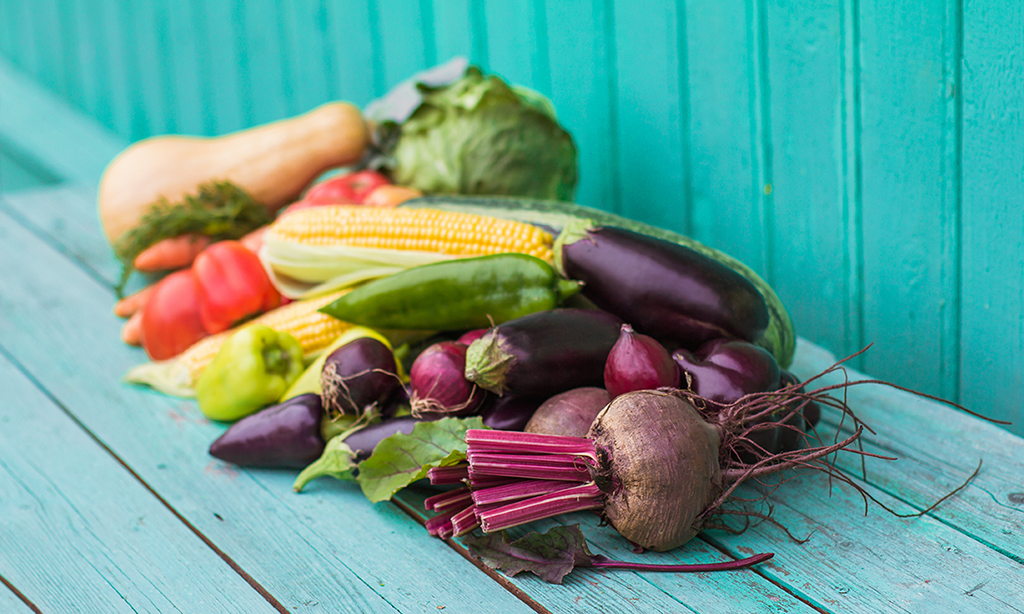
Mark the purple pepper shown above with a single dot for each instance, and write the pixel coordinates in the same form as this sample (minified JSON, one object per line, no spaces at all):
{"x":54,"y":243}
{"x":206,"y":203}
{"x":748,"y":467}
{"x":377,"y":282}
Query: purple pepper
{"x":284,"y":436}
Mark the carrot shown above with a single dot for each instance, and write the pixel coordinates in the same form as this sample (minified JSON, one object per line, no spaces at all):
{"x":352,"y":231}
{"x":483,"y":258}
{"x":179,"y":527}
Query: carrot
{"x":131,"y":332}
{"x":390,"y":196}
{"x":133,"y":303}
{"x":172,"y":253}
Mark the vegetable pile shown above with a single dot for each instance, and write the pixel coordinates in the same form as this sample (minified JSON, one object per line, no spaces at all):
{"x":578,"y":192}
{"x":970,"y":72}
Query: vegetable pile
{"x":531,"y":358}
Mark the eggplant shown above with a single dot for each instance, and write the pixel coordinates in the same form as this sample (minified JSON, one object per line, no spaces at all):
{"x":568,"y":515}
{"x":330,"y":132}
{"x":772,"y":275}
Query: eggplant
{"x":510,"y":412}
{"x":723,"y":370}
{"x":669,"y":291}
{"x":358,"y":375}
{"x":363,"y":441}
{"x":544,"y":353}
{"x":284,"y":436}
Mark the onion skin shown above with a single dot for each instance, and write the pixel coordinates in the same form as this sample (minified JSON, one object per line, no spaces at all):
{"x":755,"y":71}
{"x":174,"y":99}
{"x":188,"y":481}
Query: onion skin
{"x":438,"y":384}
{"x":570,"y":413}
{"x":673,"y":293}
{"x":638,"y":362}
{"x":544,"y":353}
{"x":283,"y":436}
{"x":658,"y":467}
{"x":357,"y":376}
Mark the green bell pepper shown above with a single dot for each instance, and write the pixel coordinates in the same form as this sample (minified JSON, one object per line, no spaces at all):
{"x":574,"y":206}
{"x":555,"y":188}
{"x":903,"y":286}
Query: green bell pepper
{"x":253,"y":368}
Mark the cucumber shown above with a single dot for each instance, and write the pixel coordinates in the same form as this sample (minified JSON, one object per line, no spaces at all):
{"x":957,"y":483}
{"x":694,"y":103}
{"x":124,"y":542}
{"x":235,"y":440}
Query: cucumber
{"x":779,"y":338}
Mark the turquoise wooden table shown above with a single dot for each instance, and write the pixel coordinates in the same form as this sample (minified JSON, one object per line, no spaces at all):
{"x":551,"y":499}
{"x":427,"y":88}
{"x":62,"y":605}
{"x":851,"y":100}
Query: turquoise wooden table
{"x":109,"y":501}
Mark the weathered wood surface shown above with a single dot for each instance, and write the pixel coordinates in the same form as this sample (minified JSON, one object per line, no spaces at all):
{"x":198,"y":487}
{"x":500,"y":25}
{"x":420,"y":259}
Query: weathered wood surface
{"x":329,"y":550}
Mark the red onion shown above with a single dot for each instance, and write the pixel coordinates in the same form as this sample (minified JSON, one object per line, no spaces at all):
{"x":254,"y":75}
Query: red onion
{"x":638,"y":362}
{"x":438,"y":383}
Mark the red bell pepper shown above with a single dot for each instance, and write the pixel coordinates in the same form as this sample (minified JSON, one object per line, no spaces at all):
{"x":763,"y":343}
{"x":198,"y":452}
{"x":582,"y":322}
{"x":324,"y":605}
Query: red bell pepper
{"x":231,"y":285}
{"x":170,"y":318}
{"x":351,"y":188}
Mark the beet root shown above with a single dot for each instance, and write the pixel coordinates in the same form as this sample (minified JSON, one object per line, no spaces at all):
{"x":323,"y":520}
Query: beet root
{"x":658,"y":481}
{"x":570,"y":413}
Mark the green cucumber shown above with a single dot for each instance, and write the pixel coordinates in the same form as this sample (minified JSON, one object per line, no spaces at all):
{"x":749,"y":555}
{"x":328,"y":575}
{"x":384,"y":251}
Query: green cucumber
{"x":779,"y":338}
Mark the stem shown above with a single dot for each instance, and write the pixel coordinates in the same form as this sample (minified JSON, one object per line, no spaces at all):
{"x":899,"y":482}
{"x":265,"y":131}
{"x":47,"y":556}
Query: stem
{"x":573,"y":499}
{"x":448,"y":475}
{"x":535,"y":467}
{"x":460,"y":498}
{"x":515,"y":491}
{"x":603,"y":561}
{"x":483,"y":440}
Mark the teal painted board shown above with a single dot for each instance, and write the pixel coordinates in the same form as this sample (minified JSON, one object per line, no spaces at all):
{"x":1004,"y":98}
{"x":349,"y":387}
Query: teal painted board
{"x":225,"y":65}
{"x":16,"y":173}
{"x":910,"y":228}
{"x":517,"y":47}
{"x":808,"y":259}
{"x":290,"y":544}
{"x":406,"y":39}
{"x":152,"y":94}
{"x":119,"y":56}
{"x":109,"y":544}
{"x":12,"y":603}
{"x":727,"y":178}
{"x":88,"y":58}
{"x":455,"y":31}
{"x":355,"y":71}
{"x":266,"y":65}
{"x":581,"y":91}
{"x":992,"y":293}
{"x":304,"y":41}
{"x":652,"y":116}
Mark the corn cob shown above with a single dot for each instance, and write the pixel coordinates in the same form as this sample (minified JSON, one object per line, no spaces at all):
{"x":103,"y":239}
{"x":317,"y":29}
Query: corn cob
{"x":426,"y":230}
{"x":313,"y":330}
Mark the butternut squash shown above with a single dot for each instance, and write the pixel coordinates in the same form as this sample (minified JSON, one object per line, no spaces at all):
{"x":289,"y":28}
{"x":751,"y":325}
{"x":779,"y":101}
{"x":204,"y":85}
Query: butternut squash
{"x":273,"y":163}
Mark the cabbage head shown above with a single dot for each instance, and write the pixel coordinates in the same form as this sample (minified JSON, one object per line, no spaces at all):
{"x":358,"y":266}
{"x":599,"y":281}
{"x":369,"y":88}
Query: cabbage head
{"x":478,"y":135}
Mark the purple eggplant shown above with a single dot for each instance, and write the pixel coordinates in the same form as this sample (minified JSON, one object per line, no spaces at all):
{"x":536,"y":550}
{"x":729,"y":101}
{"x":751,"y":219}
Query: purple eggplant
{"x":544,"y":353}
{"x":724,"y":370}
{"x":285,"y":436}
{"x":673,"y":293}
{"x":363,"y":441}
{"x":358,"y":375}
{"x":509,"y":412}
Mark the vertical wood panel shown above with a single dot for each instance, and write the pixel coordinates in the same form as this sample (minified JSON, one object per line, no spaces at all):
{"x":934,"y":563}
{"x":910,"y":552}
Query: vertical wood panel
{"x":46,"y":16}
{"x":226,"y":74}
{"x":153,"y":113}
{"x":304,"y":25}
{"x":992,"y":370}
{"x":265,"y":79}
{"x":517,"y":47}
{"x":454,"y":30}
{"x":906,"y":95}
{"x":651,"y":113}
{"x":354,"y":51}
{"x":406,"y":39}
{"x":26,"y":39}
{"x":727,"y":191}
{"x":69,"y":61}
{"x":808,"y":257}
{"x":581,"y":92}
{"x":116,"y":87}
{"x":86,"y":58}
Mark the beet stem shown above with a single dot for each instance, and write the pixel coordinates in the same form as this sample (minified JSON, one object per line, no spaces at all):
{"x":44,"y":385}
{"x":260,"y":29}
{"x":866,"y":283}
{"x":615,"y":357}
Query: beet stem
{"x":483,"y":440}
{"x":603,"y":561}
{"x":515,"y":491}
{"x":460,"y":497}
{"x":465,"y":521}
{"x":533,"y":467}
{"x":573,"y":499}
{"x":448,"y":475}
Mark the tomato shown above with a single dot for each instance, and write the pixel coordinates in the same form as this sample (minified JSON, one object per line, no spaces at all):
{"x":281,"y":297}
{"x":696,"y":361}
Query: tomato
{"x":351,"y":188}
{"x":231,"y":285}
{"x":170,"y":319}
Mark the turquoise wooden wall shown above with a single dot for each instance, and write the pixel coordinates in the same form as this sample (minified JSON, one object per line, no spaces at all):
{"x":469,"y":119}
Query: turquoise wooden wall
{"x":866,"y":157}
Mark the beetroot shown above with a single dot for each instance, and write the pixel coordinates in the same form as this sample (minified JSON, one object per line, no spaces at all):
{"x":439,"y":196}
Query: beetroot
{"x":638,"y":362}
{"x":438,"y":385}
{"x":570,"y":413}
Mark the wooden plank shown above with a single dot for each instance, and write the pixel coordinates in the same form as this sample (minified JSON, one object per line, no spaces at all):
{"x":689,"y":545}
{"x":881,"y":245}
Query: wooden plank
{"x":68,"y":144}
{"x":808,"y":261}
{"x":266,"y":80}
{"x":225,"y":44}
{"x":454,"y":30}
{"x":87,"y":58}
{"x":938,"y":447}
{"x":355,"y":69}
{"x":651,"y":111}
{"x":581,"y":90}
{"x":297,"y":547}
{"x":117,"y":71}
{"x":743,"y":591}
{"x":304,"y":43}
{"x":17,"y":173}
{"x":109,"y":544}
{"x":992,"y":294}
{"x":12,"y":603}
{"x":517,"y":48}
{"x":910,"y":219}
{"x":406,"y":39}
{"x":727,"y":180}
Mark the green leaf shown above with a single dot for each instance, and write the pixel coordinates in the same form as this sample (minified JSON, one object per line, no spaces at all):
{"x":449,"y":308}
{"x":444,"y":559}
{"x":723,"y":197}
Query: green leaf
{"x":400,"y":459}
{"x":550,"y":555}
{"x":338,"y":461}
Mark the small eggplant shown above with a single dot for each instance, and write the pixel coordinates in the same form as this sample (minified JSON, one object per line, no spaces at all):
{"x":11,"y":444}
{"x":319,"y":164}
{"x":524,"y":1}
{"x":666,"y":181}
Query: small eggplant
{"x":357,"y":376}
{"x":724,"y":370}
{"x":673,"y":293}
{"x":285,"y":436}
{"x":509,"y":412}
{"x":363,"y":441}
{"x":544,"y":353}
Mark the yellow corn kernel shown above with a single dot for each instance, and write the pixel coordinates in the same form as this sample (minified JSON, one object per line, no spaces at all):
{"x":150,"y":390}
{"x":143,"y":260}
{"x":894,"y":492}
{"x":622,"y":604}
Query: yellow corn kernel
{"x":446,"y":232}
{"x":313,"y":330}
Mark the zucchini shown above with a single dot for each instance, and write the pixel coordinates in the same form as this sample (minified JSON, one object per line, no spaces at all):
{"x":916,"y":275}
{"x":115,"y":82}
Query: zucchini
{"x":779,"y":338}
